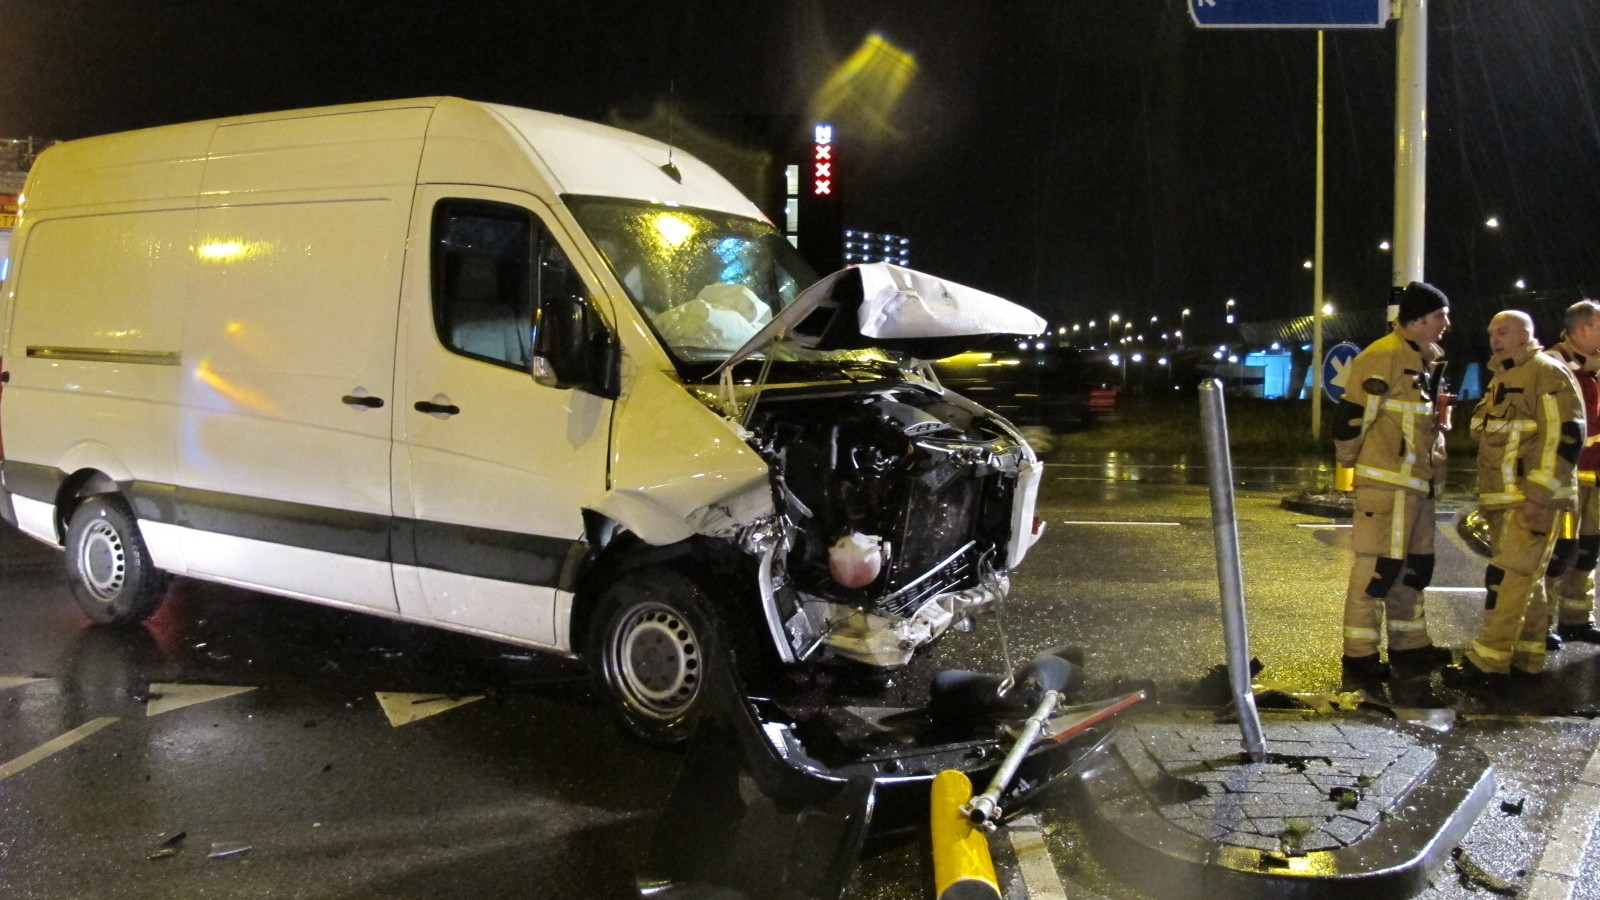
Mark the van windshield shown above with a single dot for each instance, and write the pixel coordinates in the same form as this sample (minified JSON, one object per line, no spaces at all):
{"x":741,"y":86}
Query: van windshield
{"x":706,"y":281}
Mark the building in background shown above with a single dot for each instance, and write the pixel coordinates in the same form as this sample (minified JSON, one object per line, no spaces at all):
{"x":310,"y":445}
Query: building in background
{"x":876,"y":246}
{"x":16,"y":156}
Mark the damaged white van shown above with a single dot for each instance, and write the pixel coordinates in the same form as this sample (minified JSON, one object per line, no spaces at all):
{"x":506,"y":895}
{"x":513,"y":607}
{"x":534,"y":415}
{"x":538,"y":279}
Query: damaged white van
{"x":502,"y":372}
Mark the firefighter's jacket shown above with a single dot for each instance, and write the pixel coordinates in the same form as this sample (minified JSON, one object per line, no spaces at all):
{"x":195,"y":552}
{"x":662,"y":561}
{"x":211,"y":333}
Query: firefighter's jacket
{"x":1583,"y":369}
{"x":1385,"y":427}
{"x":1530,"y":427}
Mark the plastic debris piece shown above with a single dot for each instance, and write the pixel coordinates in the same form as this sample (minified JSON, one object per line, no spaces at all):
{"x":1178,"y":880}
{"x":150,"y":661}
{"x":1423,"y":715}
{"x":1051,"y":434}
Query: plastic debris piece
{"x":1474,"y":876}
{"x":225,"y":850}
{"x":167,"y":844}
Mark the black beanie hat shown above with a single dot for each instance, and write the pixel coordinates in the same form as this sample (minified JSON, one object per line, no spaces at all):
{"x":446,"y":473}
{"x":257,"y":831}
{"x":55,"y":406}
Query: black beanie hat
{"x":1417,"y":299}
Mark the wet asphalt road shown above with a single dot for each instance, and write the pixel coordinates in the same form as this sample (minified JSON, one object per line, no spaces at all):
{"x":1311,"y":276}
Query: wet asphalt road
{"x":529,"y":791}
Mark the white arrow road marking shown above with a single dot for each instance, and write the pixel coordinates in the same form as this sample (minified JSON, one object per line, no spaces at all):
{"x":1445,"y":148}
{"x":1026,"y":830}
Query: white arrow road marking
{"x":44,"y":751}
{"x":11,"y":681}
{"x":403,"y":709}
{"x":165,"y":698}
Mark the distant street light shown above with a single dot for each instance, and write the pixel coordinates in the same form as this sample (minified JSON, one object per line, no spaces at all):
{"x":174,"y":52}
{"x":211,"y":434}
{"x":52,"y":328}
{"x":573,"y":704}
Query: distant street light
{"x":1384,"y":246}
{"x":1522,"y":285}
{"x":1307,"y":265}
{"x":1327,"y":309}
{"x":1492,"y":222}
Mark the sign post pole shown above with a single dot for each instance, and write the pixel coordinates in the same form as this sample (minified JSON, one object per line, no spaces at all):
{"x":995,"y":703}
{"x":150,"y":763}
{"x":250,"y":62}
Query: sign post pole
{"x":1316,"y":266}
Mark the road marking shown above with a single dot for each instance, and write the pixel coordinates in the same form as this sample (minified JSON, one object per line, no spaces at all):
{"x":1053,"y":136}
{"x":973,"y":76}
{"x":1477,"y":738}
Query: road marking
{"x":403,"y":709}
{"x":1130,"y":524}
{"x":11,"y":681}
{"x":1569,"y":837}
{"x":1039,"y":875}
{"x":165,"y":698}
{"x":44,"y":751}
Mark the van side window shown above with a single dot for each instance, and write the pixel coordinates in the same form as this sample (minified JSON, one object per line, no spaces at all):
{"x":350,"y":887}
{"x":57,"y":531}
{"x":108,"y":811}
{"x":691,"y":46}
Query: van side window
{"x":491,"y":262}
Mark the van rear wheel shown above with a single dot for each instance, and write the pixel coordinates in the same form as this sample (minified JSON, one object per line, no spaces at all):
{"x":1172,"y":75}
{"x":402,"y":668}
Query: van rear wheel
{"x":650,"y":650}
{"x":108,"y":566}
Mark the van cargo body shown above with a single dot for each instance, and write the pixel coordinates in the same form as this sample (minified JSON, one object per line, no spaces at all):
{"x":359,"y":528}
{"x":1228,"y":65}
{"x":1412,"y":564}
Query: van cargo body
{"x":452,"y":363}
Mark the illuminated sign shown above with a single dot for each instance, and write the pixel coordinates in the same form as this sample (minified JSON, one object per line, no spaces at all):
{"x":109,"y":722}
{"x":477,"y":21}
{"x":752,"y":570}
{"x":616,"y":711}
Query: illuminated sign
{"x":822,"y":161}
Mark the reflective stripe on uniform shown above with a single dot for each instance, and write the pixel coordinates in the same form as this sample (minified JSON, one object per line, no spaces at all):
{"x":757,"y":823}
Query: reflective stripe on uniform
{"x":1587,"y":477}
{"x":1582,"y":603}
{"x":1405,"y":625}
{"x":1529,"y":648}
{"x":1407,"y":406}
{"x":1396,"y":478}
{"x":1508,"y":461}
{"x":1491,"y":654}
{"x":1397,"y":527}
{"x":1504,"y":497}
{"x":1545,"y":475}
{"x":1357,"y":634}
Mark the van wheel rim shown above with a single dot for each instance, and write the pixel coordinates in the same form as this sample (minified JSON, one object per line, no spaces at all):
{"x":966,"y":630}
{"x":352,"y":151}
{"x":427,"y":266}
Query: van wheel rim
{"x":103,"y":560}
{"x":656,"y":660}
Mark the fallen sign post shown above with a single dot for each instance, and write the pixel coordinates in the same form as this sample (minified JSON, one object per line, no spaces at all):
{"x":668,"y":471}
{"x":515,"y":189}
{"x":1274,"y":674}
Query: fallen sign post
{"x":1290,"y":13}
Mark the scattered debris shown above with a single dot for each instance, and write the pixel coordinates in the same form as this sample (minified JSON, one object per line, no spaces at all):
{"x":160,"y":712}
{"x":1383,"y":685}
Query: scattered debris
{"x":225,"y":850}
{"x":1474,"y":876}
{"x":168,"y":845}
{"x":1513,"y":809}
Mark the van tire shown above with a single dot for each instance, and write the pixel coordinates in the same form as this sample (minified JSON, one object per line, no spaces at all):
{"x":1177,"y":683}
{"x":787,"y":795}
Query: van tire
{"x":649,"y":650}
{"x":108,"y":566}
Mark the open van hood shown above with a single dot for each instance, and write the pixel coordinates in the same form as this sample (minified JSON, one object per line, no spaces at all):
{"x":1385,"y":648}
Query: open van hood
{"x":882,"y":305}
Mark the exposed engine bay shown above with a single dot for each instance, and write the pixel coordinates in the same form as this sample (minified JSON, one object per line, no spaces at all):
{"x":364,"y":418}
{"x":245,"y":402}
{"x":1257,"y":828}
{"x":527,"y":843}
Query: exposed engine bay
{"x":899,"y":510}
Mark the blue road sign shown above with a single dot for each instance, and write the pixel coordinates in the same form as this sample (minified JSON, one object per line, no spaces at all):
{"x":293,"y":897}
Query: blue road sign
{"x":1289,"y":13}
{"x":1336,"y":368}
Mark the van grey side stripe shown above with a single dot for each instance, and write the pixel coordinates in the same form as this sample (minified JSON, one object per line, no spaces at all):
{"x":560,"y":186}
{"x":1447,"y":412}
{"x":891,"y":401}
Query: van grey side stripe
{"x":461,"y":549}
{"x":31,"y":481}
{"x":109,"y":354}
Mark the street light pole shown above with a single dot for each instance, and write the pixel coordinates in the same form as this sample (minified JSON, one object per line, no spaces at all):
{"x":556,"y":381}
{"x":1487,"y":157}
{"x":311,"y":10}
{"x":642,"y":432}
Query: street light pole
{"x":1410,"y":143}
{"x":1316,"y":268}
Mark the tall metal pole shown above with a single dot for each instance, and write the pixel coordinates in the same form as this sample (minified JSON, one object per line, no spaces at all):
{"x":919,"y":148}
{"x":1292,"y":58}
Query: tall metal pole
{"x":1230,"y":577}
{"x":1316,"y":266}
{"x":1410,"y":143}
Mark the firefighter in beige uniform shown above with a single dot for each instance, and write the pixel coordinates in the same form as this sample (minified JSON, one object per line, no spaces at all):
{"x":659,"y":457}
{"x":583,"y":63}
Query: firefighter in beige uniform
{"x":1386,"y":428}
{"x":1530,"y":429}
{"x":1569,"y":583}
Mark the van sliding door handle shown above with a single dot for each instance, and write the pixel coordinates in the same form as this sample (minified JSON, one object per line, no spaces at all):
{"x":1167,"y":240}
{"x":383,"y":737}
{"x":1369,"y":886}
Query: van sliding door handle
{"x":442,"y":409}
{"x":368,"y":402}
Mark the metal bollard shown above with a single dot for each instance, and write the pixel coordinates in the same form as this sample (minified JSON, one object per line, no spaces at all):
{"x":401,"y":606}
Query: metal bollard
{"x":1230,"y":578}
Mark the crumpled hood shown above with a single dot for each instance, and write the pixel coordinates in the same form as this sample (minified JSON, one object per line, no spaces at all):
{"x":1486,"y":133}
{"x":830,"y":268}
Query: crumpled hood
{"x":888,"y":306}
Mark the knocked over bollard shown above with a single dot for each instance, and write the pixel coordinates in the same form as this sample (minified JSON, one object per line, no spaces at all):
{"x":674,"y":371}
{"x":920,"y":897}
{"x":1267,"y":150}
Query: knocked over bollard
{"x":1230,"y":580}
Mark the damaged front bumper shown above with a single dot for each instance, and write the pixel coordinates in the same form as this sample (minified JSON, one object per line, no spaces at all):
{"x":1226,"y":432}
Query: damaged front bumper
{"x":769,"y":806}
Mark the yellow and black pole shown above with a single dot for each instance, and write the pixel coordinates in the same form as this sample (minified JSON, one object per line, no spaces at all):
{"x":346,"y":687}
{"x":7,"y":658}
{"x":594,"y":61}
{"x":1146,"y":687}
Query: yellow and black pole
{"x":962,"y":868}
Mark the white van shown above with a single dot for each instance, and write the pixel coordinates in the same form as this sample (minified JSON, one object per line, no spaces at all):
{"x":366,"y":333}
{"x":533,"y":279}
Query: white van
{"x":499,"y":371}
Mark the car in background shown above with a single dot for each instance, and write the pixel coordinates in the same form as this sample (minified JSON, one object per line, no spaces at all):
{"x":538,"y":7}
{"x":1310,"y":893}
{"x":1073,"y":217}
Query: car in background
{"x":1043,"y":392}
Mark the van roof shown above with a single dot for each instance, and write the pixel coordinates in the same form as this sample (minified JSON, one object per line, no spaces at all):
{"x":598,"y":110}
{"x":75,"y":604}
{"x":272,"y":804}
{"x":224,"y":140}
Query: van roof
{"x":468,"y":142}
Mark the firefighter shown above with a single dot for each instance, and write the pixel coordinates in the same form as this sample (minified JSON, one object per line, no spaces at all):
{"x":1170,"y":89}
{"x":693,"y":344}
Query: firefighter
{"x":1530,"y":428}
{"x":1569,"y":584}
{"x":1387,"y":429}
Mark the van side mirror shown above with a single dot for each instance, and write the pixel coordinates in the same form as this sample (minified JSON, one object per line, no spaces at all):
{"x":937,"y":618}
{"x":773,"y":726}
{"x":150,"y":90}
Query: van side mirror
{"x":573,"y":349}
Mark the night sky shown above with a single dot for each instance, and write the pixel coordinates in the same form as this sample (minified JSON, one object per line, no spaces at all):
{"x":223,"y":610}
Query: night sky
{"x":1079,"y":157}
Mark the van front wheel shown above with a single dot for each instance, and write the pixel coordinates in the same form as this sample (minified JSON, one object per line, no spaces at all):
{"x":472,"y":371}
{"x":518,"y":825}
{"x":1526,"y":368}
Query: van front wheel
{"x":650,"y":649}
{"x":108,"y":567}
